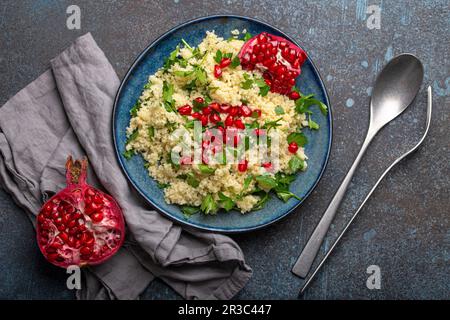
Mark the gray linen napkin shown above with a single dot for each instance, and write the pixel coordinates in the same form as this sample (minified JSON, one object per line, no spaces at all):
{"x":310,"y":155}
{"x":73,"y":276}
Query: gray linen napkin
{"x":67,"y":110}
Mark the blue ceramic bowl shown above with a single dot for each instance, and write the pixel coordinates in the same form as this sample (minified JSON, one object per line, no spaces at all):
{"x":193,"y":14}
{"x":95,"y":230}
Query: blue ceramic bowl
{"x":152,"y":58}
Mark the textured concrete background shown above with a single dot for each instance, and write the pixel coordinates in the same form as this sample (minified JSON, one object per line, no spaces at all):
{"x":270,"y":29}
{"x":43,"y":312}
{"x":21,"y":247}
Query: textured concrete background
{"x":404,"y":228}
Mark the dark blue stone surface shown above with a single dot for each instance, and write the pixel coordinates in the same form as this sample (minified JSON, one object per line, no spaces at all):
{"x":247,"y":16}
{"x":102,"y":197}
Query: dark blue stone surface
{"x":404,"y":228}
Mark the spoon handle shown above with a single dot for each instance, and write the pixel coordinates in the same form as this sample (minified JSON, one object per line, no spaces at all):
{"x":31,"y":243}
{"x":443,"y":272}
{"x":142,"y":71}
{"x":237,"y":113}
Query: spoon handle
{"x":309,"y":253}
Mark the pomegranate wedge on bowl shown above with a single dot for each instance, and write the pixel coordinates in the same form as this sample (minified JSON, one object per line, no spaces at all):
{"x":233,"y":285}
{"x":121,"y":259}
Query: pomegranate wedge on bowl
{"x":223,"y":123}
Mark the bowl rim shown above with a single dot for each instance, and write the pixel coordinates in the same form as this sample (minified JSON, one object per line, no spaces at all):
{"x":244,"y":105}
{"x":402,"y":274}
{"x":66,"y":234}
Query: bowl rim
{"x":186,"y":222}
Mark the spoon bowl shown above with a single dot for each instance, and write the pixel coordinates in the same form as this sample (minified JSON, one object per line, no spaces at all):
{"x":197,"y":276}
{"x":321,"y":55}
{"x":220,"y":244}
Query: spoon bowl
{"x":395,"y":89}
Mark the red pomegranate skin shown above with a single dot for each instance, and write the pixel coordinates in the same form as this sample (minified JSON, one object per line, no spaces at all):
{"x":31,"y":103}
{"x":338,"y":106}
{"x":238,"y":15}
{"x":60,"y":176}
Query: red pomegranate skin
{"x":79,"y":225}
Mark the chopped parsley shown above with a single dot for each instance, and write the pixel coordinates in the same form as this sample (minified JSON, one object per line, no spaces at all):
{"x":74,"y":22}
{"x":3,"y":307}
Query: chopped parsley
{"x":295,"y":164}
{"x":128,"y":154}
{"x":235,"y":62}
{"x":298,"y":138}
{"x":312,"y":124}
{"x":134,"y":110}
{"x":209,"y":205}
{"x":151,"y":132}
{"x":189,"y":210}
{"x":226,"y":202}
{"x":168,"y":101}
{"x":303,"y":103}
{"x":279,"y":110}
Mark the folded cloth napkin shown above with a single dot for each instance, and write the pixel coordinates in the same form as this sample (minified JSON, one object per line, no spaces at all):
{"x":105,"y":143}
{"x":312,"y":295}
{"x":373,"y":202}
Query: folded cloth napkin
{"x":68,"y":110}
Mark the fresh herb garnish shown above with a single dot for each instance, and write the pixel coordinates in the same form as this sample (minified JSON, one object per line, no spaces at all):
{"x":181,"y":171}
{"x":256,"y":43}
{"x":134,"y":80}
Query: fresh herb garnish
{"x":190,"y":179}
{"x":260,"y":83}
{"x":295,"y":164}
{"x":189,"y":210}
{"x":271,"y":124}
{"x":128,"y":154}
{"x":134,"y":110}
{"x":226,"y":202}
{"x":204,"y":169}
{"x":235,"y":62}
{"x":285,"y":195}
{"x":218,"y":56}
{"x":200,"y":75}
{"x":298,"y":138}
{"x":312,"y":124}
{"x":248,"y":179}
{"x":248,"y":83}
{"x":190,"y":86}
{"x":168,"y":101}
{"x":266,"y":182}
{"x":247,"y":36}
{"x":187,"y":45}
{"x":163,"y":185}
{"x":262,"y":201}
{"x":132,"y":136}
{"x":183,"y":73}
{"x":171,"y":59}
{"x":151,"y":132}
{"x":304,"y":102}
{"x":279,"y":110}
{"x":209,"y":205}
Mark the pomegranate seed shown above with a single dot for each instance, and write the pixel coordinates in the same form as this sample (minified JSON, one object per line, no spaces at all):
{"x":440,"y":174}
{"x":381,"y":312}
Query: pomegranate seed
{"x":292,"y":55}
{"x":214,"y":118}
{"x":217,"y":71}
{"x":225,"y":107}
{"x":260,"y":57}
{"x":262,"y":38}
{"x":291,"y":82}
{"x":185,"y":110}
{"x":293,"y":147}
{"x":229,"y":121}
{"x":207,"y":110}
{"x":199,"y":100}
{"x":97,"y":217}
{"x":196,"y":115}
{"x":86,"y":250}
{"x":215,"y":106}
{"x":239,"y":124}
{"x":268,"y":82}
{"x":294,"y":95}
{"x":245,"y":58}
{"x":234,"y":111}
{"x":245,"y":111}
{"x":242,"y":167}
{"x":204,"y":120}
{"x":253,"y":59}
{"x":225,"y":62}
{"x":267,"y":165}
{"x":64,"y":237}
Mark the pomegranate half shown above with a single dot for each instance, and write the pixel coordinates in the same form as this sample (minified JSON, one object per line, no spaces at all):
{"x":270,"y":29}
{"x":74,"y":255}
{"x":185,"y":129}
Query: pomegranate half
{"x":80,"y":225}
{"x":279,"y":60}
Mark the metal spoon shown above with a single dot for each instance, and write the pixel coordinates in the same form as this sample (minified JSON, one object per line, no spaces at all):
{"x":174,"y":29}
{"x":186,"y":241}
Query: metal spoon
{"x":395,"y":88}
{"x":427,"y":127}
